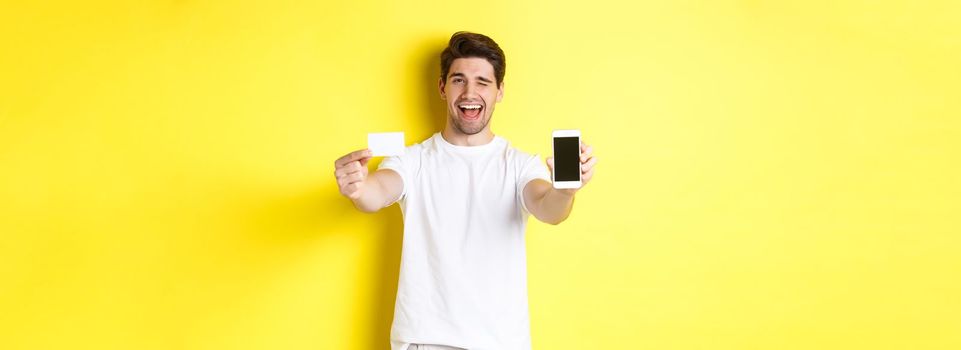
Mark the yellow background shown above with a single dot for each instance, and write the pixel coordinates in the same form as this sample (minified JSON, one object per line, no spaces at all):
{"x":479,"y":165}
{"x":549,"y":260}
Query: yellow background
{"x":773,"y":175}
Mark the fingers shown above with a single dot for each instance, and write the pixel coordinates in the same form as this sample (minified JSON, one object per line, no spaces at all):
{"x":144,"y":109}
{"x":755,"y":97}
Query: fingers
{"x":589,"y":165}
{"x":586,"y":153}
{"x":587,"y":170}
{"x":348,"y":168}
{"x":351,"y":172}
{"x":586,"y":177}
{"x":352,"y":191}
{"x":587,"y":162}
{"x":352,"y":156}
{"x":351,"y":178}
{"x":351,"y":184}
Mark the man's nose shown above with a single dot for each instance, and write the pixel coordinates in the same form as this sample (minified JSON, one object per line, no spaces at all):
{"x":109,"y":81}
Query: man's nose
{"x":470,"y":91}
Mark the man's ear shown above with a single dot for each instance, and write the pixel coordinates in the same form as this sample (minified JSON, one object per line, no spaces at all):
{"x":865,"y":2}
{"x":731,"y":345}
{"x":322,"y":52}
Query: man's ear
{"x":440,"y":88}
{"x":500,"y":92}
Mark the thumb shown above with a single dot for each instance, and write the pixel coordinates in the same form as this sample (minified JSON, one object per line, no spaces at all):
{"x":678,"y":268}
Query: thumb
{"x":550,"y":163}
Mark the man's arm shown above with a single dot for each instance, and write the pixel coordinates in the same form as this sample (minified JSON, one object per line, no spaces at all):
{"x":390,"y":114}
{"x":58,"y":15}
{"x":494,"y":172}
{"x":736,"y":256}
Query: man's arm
{"x":368,"y":193}
{"x":546,"y":203}
{"x":552,"y":205}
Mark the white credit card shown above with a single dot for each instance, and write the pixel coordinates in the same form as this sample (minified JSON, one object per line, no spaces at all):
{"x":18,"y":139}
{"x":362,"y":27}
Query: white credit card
{"x":385,"y":144}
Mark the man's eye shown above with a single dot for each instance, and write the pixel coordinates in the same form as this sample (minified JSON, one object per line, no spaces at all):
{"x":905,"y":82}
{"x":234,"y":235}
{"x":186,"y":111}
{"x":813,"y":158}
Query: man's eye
{"x":458,"y":80}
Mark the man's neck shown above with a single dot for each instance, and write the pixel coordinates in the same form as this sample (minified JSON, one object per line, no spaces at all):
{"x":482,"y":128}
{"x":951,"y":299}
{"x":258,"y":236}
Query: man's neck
{"x":459,"y":139}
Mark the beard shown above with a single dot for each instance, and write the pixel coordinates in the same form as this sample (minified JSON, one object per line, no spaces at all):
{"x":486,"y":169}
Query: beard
{"x":469,"y":127}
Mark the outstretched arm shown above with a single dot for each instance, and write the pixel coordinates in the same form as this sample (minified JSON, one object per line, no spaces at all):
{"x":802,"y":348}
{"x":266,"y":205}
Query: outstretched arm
{"x":552,"y":205}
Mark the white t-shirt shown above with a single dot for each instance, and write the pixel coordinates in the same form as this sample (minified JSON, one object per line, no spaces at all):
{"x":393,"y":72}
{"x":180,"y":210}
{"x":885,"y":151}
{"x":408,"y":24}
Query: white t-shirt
{"x":463,"y":269}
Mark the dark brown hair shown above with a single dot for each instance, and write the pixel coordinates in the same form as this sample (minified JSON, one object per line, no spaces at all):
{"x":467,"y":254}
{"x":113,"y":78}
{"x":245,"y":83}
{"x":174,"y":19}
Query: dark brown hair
{"x":469,"y":45}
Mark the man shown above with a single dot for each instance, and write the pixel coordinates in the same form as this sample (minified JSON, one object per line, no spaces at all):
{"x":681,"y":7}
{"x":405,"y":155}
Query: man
{"x":465,"y":195}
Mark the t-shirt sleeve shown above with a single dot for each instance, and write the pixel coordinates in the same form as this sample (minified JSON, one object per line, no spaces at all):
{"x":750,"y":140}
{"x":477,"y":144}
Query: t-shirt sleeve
{"x":533,"y":168}
{"x":397,"y":164}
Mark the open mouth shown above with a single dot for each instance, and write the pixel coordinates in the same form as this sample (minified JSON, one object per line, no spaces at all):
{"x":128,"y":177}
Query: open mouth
{"x":470,"y":110}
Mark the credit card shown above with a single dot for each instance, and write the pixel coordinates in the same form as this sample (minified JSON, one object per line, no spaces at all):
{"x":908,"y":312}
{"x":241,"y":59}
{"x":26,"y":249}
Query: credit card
{"x":385,"y":144}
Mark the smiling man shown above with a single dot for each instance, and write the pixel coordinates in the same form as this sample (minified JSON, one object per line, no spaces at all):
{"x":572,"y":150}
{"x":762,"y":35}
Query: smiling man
{"x":466,"y":195}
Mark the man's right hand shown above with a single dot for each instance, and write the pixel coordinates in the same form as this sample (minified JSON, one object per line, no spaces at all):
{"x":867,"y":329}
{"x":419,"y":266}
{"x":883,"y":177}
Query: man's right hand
{"x":351,"y":172}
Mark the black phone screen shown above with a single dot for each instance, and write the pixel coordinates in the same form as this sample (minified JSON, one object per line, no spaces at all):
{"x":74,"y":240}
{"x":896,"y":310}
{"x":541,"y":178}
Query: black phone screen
{"x":567,"y":159}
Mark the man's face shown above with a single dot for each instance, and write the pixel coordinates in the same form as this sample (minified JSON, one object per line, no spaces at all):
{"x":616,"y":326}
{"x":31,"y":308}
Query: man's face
{"x":470,"y":92}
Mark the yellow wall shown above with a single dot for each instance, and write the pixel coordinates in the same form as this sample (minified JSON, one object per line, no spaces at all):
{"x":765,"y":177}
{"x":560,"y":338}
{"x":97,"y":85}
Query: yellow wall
{"x":773,"y":175}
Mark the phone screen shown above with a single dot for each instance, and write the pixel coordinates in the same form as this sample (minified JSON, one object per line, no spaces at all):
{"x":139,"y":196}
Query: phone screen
{"x":567,"y":159}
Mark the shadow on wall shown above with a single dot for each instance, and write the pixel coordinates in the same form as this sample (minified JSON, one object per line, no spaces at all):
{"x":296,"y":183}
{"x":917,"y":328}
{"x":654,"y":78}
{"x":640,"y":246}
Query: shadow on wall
{"x":426,"y":59}
{"x":431,"y":110}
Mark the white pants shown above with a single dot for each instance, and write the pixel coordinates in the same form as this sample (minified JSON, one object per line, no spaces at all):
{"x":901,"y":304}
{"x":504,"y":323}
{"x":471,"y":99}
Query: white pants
{"x":431,"y":347}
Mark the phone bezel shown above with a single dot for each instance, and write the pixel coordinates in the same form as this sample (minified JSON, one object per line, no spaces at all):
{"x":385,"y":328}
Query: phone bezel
{"x":565,"y":133}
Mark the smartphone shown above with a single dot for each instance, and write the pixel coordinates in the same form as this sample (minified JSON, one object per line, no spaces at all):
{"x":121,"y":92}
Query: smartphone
{"x":567,"y":158}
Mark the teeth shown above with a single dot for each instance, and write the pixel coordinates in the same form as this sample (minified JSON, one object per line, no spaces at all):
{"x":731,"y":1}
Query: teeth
{"x":470,"y":106}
